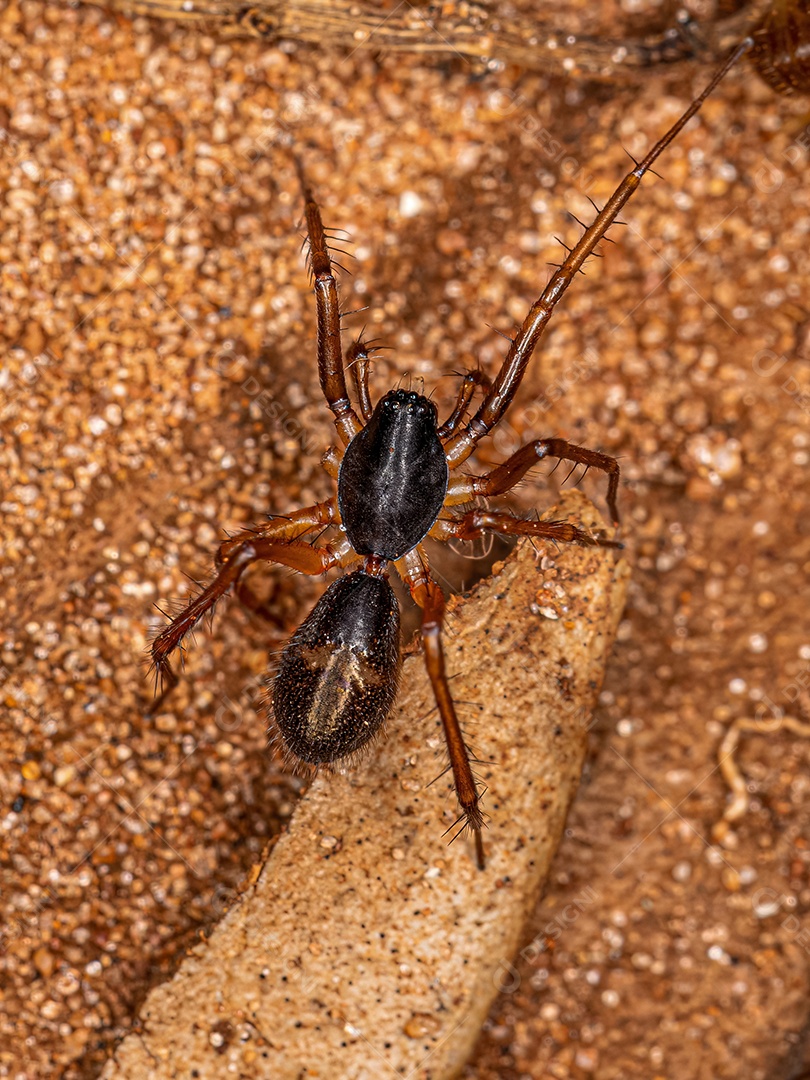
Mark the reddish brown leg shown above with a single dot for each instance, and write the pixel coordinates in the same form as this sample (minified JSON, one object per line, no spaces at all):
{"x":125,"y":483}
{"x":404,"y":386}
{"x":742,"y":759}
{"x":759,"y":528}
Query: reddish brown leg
{"x":471,"y":525}
{"x":357,"y":360}
{"x":290,"y":527}
{"x":428,"y":596}
{"x":504,"y":478}
{"x":465,"y":393}
{"x":255,"y":601}
{"x":330,"y":356}
{"x":508,"y":379}
{"x":240,"y":554}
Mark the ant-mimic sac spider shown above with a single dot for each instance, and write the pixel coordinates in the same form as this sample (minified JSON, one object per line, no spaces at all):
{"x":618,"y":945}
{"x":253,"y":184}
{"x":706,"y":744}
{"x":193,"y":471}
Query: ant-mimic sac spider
{"x":397,"y":484}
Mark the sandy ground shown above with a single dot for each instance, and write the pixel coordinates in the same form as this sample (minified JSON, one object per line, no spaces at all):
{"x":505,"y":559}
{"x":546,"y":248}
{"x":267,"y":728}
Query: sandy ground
{"x":159,"y":386}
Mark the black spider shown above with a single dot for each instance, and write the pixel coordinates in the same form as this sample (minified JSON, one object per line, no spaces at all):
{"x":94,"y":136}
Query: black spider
{"x":396,"y":485}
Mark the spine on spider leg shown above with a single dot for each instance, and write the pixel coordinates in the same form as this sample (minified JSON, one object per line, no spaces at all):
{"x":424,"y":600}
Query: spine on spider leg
{"x":610,"y":211}
{"x":429,"y":597}
{"x":172,"y":636}
{"x":319,"y":259}
{"x":271,"y":547}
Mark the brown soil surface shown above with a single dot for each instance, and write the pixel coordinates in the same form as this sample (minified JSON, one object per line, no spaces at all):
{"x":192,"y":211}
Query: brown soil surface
{"x":159,"y":385}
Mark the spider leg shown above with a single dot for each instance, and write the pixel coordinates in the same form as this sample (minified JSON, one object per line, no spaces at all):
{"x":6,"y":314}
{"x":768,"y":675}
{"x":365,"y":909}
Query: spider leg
{"x":508,"y":379}
{"x":473,"y":523}
{"x":274,"y":541}
{"x":330,"y":355}
{"x":289,"y":527}
{"x":357,"y":359}
{"x":507,"y":475}
{"x":414,"y":571}
{"x":466,"y":390}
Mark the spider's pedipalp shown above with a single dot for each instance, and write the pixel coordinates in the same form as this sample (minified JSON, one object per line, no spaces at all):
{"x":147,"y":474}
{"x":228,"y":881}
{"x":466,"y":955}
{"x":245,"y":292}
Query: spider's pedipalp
{"x":471,"y":380}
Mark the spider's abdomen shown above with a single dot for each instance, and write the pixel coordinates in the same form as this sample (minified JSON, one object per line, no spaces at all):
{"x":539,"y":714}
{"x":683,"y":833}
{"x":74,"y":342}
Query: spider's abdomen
{"x":339,"y":672}
{"x":393,"y":477}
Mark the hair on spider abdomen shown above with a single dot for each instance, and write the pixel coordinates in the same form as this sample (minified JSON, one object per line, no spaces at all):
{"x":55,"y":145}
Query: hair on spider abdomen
{"x":339,"y":673}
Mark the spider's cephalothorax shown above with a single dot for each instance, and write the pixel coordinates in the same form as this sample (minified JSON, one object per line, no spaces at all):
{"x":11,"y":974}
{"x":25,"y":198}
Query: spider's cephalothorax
{"x":396,"y":485}
{"x":393,"y":477}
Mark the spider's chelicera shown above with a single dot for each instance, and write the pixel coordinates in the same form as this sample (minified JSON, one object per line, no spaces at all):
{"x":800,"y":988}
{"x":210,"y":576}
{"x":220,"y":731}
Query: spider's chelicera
{"x":397,"y":484}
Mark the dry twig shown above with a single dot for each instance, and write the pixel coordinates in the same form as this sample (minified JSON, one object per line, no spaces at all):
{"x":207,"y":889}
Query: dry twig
{"x":474,"y":31}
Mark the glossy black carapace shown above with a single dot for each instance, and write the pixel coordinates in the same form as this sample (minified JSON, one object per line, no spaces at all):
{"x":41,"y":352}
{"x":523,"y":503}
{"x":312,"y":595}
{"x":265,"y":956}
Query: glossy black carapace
{"x":393,"y":477}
